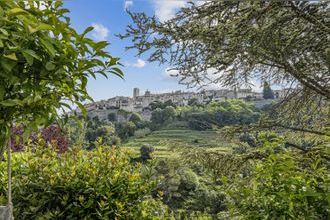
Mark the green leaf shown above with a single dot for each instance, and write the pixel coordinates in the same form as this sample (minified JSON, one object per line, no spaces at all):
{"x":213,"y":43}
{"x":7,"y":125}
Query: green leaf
{"x":83,"y":82}
{"x":28,"y":58}
{"x":89,"y":29}
{"x":7,"y":65}
{"x":31,"y":53}
{"x":4,"y":32}
{"x":16,"y":11}
{"x":113,"y":61}
{"x":11,"y":102}
{"x":117,"y":72}
{"x":48,"y":46}
{"x":1,"y":44}
{"x":44,"y":27}
{"x":40,"y":27}
{"x":11,"y":56}
{"x":65,"y":105}
{"x":82,"y":108}
{"x":2,"y":92}
{"x":101,"y":45}
{"x":50,"y":66}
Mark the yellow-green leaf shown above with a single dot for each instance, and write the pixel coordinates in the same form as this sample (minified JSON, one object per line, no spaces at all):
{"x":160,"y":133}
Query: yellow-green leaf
{"x":16,"y":11}
{"x":50,"y":66}
{"x":11,"y":56}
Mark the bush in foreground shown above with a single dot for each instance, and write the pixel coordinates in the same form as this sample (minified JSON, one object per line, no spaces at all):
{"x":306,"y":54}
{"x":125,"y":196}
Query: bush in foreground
{"x":99,"y":184}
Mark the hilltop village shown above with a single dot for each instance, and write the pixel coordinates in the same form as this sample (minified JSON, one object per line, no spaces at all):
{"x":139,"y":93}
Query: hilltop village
{"x":140,"y":103}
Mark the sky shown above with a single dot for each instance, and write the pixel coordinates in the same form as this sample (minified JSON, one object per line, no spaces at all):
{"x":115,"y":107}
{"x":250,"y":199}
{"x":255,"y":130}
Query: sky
{"x":109,"y":17}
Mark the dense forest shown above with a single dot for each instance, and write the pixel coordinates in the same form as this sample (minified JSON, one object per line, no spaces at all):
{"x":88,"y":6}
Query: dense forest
{"x":223,"y":160}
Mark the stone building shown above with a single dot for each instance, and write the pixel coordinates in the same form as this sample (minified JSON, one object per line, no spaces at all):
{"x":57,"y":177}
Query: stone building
{"x":140,"y":103}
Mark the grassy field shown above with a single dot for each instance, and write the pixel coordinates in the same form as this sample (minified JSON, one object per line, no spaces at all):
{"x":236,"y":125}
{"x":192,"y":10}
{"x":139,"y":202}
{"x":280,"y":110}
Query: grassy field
{"x":167,"y":143}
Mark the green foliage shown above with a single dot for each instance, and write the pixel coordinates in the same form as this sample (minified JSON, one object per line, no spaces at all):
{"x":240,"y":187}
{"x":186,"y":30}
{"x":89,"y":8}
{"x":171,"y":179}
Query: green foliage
{"x":157,"y":116}
{"x":267,"y":92}
{"x":228,"y":112}
{"x":112,"y":117}
{"x":135,"y":118}
{"x":160,"y":116}
{"x":200,"y":120}
{"x":76,"y":130}
{"x":105,"y":132}
{"x":181,"y":188}
{"x":169,"y":113}
{"x":125,"y":130}
{"x":283,"y":186}
{"x":249,"y":139}
{"x":162,"y":105}
{"x":100,"y":184}
{"x":146,"y":152}
{"x":231,"y":112}
{"x":270,"y":181}
{"x":44,"y":63}
{"x":140,"y":133}
{"x":241,"y":40}
{"x":113,"y":140}
{"x":193,"y":102}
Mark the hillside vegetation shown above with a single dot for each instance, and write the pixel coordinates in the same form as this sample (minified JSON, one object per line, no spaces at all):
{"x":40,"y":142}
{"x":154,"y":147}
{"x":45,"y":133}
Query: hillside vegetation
{"x":167,"y":143}
{"x":222,"y":160}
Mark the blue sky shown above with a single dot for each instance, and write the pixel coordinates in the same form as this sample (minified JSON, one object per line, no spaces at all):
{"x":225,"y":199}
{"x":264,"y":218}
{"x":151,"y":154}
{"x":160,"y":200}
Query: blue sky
{"x":109,"y":18}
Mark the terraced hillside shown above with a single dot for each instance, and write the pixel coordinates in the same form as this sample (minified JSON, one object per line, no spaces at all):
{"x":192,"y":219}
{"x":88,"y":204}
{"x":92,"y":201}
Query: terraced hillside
{"x":169,"y":142}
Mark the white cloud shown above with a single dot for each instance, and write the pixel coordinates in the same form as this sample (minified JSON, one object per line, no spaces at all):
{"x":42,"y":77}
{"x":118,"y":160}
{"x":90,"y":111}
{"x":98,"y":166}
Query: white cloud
{"x":128,"y":4}
{"x":171,"y":75}
{"x":100,"y":32}
{"x":166,"y":9}
{"x":211,"y":75}
{"x":138,"y":64}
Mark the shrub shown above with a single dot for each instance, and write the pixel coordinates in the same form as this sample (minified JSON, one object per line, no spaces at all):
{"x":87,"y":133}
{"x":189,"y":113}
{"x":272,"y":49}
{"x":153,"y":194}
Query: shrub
{"x":200,"y":121}
{"x":140,"y":133}
{"x":51,"y":135}
{"x":284,"y":185}
{"x":240,"y":149}
{"x":114,"y":140}
{"x":135,"y":118}
{"x":100,"y":184}
{"x":249,"y":139}
{"x":157,"y":116}
{"x":112,"y":117}
{"x":146,"y":151}
{"x":125,"y":130}
{"x":105,"y":132}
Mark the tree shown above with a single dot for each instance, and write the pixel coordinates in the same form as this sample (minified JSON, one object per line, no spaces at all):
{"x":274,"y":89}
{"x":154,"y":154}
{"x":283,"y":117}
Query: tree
{"x":112,"y":117}
{"x":193,"y":102}
{"x":285,"y":41}
{"x":44,"y":64}
{"x":169,"y":103}
{"x":125,"y":130}
{"x":162,"y":105}
{"x":156,"y":104}
{"x":135,"y":118}
{"x":169,"y":113}
{"x":157,"y":116}
{"x":267,"y":92}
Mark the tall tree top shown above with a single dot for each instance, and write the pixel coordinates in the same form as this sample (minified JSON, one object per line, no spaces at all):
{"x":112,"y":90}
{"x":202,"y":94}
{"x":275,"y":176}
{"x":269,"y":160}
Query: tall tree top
{"x":232,"y":42}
